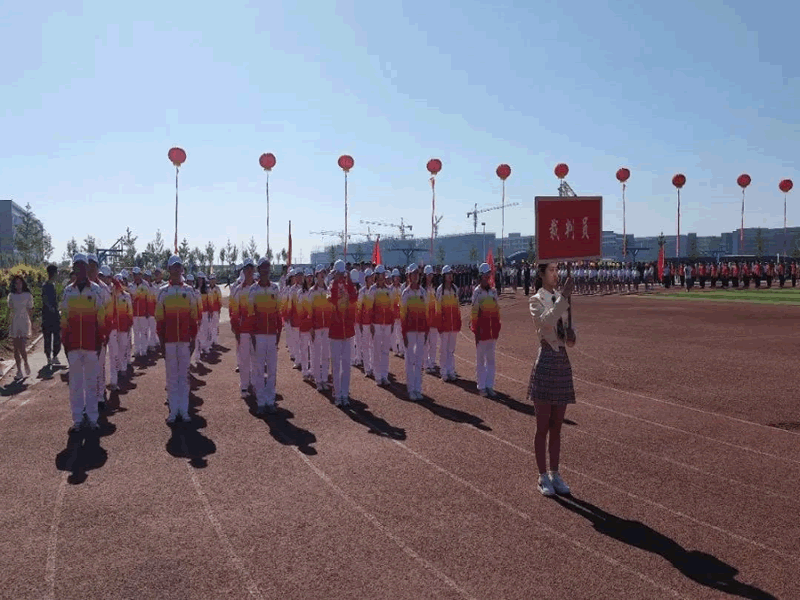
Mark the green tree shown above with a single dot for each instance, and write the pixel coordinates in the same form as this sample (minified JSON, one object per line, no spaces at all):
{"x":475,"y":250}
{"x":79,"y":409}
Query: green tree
{"x":332,"y":253}
{"x":759,"y":243}
{"x":196,"y":257}
{"x":184,"y":251}
{"x":222,"y":255}
{"x":440,"y":253}
{"x":89,"y":245}
{"x":233,"y":253}
{"x":129,"y":245}
{"x":47,"y":246}
{"x":473,"y":253}
{"x":29,"y":238}
{"x":694,"y":255}
{"x":210,"y":254}
{"x":252,"y":250}
{"x":72,"y":250}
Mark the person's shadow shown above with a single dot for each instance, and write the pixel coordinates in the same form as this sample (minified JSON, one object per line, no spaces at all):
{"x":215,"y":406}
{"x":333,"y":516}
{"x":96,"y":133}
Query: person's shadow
{"x":82,"y":454}
{"x":282,"y":429}
{"x":186,"y":441}
{"x":360,"y":413}
{"x":700,"y":567}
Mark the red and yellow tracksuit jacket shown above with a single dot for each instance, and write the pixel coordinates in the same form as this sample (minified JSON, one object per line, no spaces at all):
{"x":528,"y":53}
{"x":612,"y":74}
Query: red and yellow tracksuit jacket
{"x":304,"y":311}
{"x":152,"y":297}
{"x":413,"y":310}
{"x":240,"y":309}
{"x":344,"y":302}
{"x":321,"y":308}
{"x":397,"y":293}
{"x":485,"y":314}
{"x":215,"y":299}
{"x":430,"y":304}
{"x":176,"y":314}
{"x":382,"y":300}
{"x":265,"y":316}
{"x":364,"y":310}
{"x":120,"y":312}
{"x":139,"y":296}
{"x":83,"y":319}
{"x":448,"y":313}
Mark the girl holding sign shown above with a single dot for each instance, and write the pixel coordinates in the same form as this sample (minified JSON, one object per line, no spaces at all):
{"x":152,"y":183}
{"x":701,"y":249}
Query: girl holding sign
{"x":551,"y":387}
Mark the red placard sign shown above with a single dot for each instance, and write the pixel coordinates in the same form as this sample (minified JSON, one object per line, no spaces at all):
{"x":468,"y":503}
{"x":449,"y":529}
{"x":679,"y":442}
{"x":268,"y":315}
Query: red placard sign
{"x":568,"y":228}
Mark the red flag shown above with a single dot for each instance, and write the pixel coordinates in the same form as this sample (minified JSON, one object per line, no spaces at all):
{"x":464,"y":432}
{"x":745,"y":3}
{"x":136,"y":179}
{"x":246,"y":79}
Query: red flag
{"x":376,"y":252}
{"x":289,"y":254}
{"x":660,"y":262}
{"x":490,"y":261}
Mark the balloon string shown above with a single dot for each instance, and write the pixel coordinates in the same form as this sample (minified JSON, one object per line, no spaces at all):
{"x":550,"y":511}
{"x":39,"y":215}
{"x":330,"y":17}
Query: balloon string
{"x":268,"y":213}
{"x":176,"y":209}
{"x":345,"y":217}
{"x":624,"y":230}
{"x":433,"y":213}
{"x":678,"y":238}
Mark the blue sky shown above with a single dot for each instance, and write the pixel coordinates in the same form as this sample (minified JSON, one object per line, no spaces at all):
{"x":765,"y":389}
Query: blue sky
{"x":95,"y":95}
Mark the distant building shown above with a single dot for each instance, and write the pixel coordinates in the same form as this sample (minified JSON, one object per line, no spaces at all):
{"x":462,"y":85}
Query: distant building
{"x":11,"y":216}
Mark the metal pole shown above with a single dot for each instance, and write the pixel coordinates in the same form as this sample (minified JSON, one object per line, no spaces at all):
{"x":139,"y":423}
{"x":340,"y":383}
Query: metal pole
{"x":176,"y":208}
{"x":678,"y":239}
{"x":784,"y":224}
{"x":433,"y":214}
{"x":345,"y":217}
{"x":741,"y":231}
{"x":503,"y":231}
{"x":484,"y":240}
{"x":268,"y":213}
{"x":624,"y":230}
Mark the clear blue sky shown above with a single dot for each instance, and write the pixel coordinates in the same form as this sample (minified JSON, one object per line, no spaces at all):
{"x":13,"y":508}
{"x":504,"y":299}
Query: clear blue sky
{"x":93,"y":98}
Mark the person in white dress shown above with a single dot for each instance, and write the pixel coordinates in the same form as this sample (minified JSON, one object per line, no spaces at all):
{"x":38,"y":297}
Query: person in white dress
{"x":20,"y":306}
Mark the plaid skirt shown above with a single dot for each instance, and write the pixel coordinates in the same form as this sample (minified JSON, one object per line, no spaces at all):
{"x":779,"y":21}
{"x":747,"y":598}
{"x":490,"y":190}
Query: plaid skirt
{"x":551,"y":377}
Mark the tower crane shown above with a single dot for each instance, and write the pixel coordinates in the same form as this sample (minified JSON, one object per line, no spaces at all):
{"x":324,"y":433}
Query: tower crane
{"x":474,"y":213}
{"x":402,"y":226}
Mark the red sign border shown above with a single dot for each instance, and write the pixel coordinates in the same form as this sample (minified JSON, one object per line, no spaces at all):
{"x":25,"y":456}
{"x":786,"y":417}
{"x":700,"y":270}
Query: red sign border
{"x":567,"y":199}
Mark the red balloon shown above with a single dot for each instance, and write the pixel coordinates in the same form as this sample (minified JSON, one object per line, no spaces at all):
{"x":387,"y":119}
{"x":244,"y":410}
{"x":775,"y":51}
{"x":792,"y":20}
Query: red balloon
{"x":561,"y":170}
{"x":743,"y":180}
{"x":177,"y":156}
{"x":786,"y":185}
{"x":503,"y":171}
{"x":623,"y":175}
{"x":267,"y":161}
{"x":346,"y":162}
{"x":679,"y":180}
{"x":434,"y":166}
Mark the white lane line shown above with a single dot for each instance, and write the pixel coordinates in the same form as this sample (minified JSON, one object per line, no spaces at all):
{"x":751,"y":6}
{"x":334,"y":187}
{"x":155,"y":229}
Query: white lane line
{"x":540,"y":525}
{"x":657,"y":424}
{"x":52,"y":540}
{"x":250,"y":583}
{"x":383,"y":529}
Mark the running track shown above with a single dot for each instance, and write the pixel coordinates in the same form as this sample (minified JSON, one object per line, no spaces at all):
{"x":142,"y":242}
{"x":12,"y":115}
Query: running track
{"x":682,"y":488}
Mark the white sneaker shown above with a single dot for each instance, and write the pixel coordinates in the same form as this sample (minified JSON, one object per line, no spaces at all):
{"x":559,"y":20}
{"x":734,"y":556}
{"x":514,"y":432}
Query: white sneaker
{"x":171,"y":419}
{"x":545,"y":486}
{"x":55,"y":361}
{"x":483,"y":393}
{"x":559,"y":486}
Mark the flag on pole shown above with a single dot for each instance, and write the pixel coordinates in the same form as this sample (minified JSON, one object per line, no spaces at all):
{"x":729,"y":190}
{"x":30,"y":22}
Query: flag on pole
{"x":660,"y":262}
{"x":289,"y":254}
{"x":376,"y":252}
{"x":490,"y":262}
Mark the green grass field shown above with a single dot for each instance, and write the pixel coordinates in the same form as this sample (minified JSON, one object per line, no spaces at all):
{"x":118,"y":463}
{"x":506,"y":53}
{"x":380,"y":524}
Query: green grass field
{"x":785,"y":296}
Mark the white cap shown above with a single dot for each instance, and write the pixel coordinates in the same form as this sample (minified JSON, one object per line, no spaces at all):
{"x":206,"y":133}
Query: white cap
{"x":395,"y":272}
{"x":368,"y":272}
{"x":248,"y":262}
{"x":355,"y":275}
{"x":320,"y":268}
{"x":148,"y":273}
{"x":263,"y":261}
{"x":201,"y":274}
{"x":124,"y":272}
{"x":189,"y":277}
{"x":92,"y":258}
{"x":308,"y":272}
{"x":339,"y":266}
{"x":105,"y":271}
{"x":118,"y":277}
{"x":380,"y":269}
{"x":136,"y":271}
{"x":484,"y":269}
{"x":428,"y":270}
{"x":79,"y":257}
{"x":447,"y":269}
{"x":157,"y":270}
{"x":412,"y":268}
{"x":173,"y":260}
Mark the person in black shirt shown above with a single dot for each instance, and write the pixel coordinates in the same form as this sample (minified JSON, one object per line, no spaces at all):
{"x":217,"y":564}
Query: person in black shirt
{"x":526,"y":271}
{"x":51,"y":319}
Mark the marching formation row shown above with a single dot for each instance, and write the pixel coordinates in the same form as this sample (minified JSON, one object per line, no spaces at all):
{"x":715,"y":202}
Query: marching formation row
{"x":330,"y":320}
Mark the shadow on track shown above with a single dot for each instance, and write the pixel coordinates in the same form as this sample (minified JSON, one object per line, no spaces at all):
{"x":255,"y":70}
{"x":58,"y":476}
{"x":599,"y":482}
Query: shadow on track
{"x":400,"y":391}
{"x":700,"y":567}
{"x":186,"y":440}
{"x":84,"y":452}
{"x":283,"y":430}
{"x":359,"y":413}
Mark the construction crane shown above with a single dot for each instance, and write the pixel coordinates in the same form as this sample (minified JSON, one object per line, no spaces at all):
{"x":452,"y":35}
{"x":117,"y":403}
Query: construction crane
{"x":474,"y":213}
{"x":402,"y":226}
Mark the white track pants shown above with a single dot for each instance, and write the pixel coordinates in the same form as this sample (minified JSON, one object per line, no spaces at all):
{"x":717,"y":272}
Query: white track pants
{"x":152,"y":336}
{"x":247,"y":370}
{"x":355,"y":353}
{"x":398,"y":338}
{"x":214,"y":327}
{"x":305,"y":352}
{"x":447,"y":353}
{"x":430,"y":348}
{"x":204,"y":335}
{"x":294,"y":343}
{"x":82,"y":388}
{"x":176,"y":362}
{"x":123,"y":350}
{"x":340,"y":365}
{"x":366,"y":349}
{"x":485,"y":367}
{"x":113,"y":357}
{"x":415,"y":353}
{"x":320,"y":356}
{"x":140,"y":336}
{"x":381,"y":347}
{"x":265,"y":368}
{"x":126,"y":352}
{"x":100,"y":375}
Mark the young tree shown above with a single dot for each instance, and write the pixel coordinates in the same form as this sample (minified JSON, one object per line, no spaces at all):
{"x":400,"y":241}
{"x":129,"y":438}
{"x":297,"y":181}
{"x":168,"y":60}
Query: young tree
{"x":129,"y":244}
{"x":759,"y":243}
{"x":694,"y":255}
{"x":28,"y":238}
{"x":252,"y":249}
{"x":269,"y":255}
{"x":210,"y":254}
{"x":72,"y":250}
{"x":47,"y":246}
{"x":473,"y":254}
{"x":89,"y":245}
{"x":284,"y":256}
{"x":184,"y":251}
{"x":197,"y":257}
{"x":233,"y":254}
